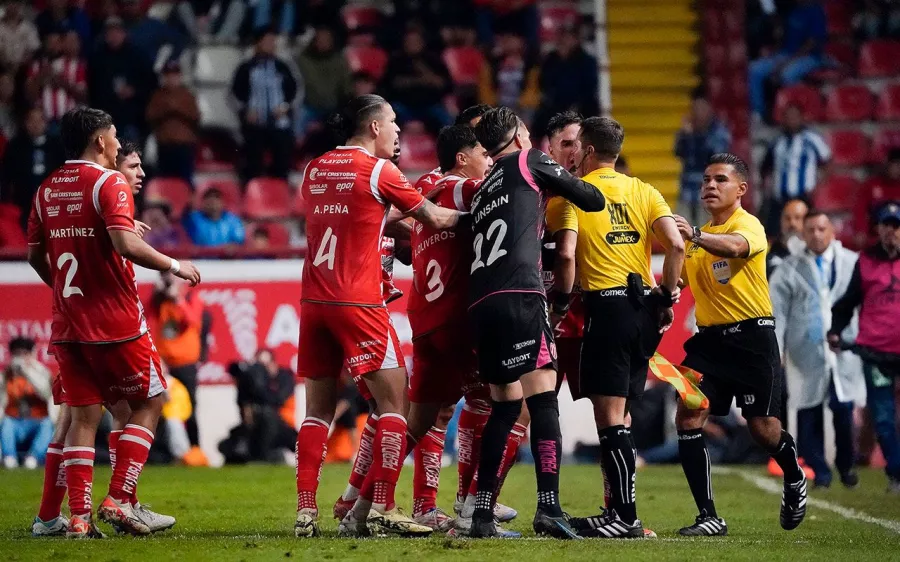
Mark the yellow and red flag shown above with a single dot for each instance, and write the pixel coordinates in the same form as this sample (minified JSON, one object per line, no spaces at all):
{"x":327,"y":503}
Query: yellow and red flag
{"x":686,"y":381}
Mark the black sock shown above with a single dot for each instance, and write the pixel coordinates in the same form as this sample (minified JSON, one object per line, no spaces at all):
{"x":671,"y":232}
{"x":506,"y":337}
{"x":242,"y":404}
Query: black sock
{"x":618,"y":459}
{"x":546,"y":446}
{"x":696,"y":466}
{"x":493,"y":442}
{"x":785,"y":454}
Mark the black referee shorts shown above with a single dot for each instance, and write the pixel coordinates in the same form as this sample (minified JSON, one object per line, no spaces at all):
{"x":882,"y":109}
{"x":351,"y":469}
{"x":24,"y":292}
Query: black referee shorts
{"x":512,"y":336}
{"x":620,"y":337}
{"x":738,"y":361}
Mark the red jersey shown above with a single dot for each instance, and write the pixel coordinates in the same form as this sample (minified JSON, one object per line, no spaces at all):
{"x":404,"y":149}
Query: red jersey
{"x":348,"y":194}
{"x":426,"y":183}
{"x":95,"y":298}
{"x":441,"y":260}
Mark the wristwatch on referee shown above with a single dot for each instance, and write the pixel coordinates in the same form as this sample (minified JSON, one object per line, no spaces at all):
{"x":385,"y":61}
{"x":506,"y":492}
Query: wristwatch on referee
{"x":697,"y":233}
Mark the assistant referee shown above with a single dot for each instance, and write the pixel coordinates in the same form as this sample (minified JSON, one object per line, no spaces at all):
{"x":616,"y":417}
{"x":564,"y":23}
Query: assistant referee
{"x":624,"y":318}
{"x":735,"y":350}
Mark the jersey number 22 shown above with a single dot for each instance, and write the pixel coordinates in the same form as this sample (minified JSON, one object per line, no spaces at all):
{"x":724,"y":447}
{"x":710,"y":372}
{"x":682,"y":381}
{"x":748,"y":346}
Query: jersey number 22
{"x":497,"y":231}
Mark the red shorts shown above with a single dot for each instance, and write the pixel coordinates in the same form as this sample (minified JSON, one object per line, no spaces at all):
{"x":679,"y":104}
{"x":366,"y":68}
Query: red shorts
{"x":59,"y":393}
{"x":568,"y":357}
{"x":331,"y":336}
{"x":444,"y":367}
{"x":97,"y":373}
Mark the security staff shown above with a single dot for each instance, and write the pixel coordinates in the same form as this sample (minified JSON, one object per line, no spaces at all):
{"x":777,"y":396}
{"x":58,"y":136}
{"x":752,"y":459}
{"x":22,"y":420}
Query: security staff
{"x":625,"y":319}
{"x":735,"y":350}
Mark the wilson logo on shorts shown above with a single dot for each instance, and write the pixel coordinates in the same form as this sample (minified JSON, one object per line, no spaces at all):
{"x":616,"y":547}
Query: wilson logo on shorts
{"x":686,"y":381}
{"x":721,"y":271}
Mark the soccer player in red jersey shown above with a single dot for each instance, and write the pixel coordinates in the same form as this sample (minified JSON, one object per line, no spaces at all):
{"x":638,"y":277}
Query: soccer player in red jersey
{"x":444,"y":367}
{"x":343,"y":318}
{"x":83,"y":220}
{"x":49,"y":521}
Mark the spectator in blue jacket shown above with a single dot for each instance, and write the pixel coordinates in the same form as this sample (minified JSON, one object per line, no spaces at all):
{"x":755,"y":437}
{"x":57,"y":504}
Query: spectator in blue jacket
{"x":211,"y":225}
{"x":803,"y":38}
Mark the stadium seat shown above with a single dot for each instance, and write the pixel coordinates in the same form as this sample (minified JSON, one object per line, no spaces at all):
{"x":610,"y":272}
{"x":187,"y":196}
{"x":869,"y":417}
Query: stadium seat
{"x":215,"y":110}
{"x":716,"y":57}
{"x":267,"y":199}
{"x":849,"y":147}
{"x":216,"y":64}
{"x":212,"y":157}
{"x":175,"y":191}
{"x":418,"y":150}
{"x":279,"y":234}
{"x":879,"y":58}
{"x":839,"y":14}
{"x":807,"y":97}
{"x":369,"y":59}
{"x":464,"y":64}
{"x":231,"y":192}
{"x":360,"y":17}
{"x":836,"y":193}
{"x":885,"y":140}
{"x":849,"y":102}
{"x":554,"y":16}
{"x":842,"y":53}
{"x":888,"y":107}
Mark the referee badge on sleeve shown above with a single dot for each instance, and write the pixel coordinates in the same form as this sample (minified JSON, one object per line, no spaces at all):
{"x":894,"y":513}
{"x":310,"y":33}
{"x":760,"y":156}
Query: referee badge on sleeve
{"x":721,"y":271}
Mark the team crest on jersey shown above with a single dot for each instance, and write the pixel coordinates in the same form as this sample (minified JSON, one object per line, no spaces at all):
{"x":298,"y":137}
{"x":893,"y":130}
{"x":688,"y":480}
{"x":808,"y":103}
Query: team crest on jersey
{"x":721,"y":271}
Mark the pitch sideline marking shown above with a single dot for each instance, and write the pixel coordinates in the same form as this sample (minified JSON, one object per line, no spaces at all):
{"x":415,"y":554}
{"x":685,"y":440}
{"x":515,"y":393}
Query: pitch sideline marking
{"x":768,"y":485}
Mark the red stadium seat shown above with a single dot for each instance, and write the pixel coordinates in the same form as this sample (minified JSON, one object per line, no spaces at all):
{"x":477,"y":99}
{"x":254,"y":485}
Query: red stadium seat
{"x":418,"y":150}
{"x":555,"y":16}
{"x":231,"y":193}
{"x":842,"y":53}
{"x":879,"y":58}
{"x":888,"y":107}
{"x":885,"y":141}
{"x":267,"y":199}
{"x":464,"y":64}
{"x":716,"y":58}
{"x":360,"y":17}
{"x":368,"y":59}
{"x":839,"y":14}
{"x":836,"y":193}
{"x":850,"y":102}
{"x":175,"y":191}
{"x":849,"y":147}
{"x":279,"y":234}
{"x":807,"y":97}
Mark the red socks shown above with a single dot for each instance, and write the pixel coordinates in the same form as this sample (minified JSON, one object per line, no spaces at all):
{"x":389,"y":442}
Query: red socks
{"x":311,"y":447}
{"x":113,"y":442}
{"x":471,"y":423}
{"x":79,"y":462}
{"x":363,"y":461}
{"x":427,"y":475}
{"x":132,"y":450}
{"x":54,"y":483}
{"x":390,"y":439}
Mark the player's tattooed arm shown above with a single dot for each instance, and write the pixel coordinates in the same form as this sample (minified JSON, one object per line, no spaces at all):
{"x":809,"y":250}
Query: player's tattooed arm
{"x":131,"y":247}
{"x":720,"y":245}
{"x":436,"y":217}
{"x":40,"y":263}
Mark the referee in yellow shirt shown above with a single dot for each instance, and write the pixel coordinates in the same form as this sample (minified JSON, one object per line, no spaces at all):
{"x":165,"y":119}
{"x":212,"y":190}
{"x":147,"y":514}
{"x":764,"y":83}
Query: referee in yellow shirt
{"x":735,"y":349}
{"x":625,"y":312}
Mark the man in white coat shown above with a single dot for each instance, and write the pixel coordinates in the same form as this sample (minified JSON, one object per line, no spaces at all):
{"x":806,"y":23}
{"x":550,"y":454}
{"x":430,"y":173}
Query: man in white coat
{"x":803,"y":290}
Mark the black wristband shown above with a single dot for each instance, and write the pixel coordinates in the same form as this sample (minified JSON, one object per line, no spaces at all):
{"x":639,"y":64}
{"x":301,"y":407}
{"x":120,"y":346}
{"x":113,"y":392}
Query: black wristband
{"x":664,"y":297}
{"x":560,"y":300}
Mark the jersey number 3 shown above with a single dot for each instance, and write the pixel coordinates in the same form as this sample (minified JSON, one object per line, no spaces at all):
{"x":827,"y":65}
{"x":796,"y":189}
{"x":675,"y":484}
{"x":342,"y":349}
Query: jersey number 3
{"x":498,"y":228}
{"x":68,"y":288}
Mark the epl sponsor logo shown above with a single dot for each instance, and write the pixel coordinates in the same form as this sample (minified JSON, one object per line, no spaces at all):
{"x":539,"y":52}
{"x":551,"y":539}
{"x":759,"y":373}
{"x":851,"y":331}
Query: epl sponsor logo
{"x":721,"y":271}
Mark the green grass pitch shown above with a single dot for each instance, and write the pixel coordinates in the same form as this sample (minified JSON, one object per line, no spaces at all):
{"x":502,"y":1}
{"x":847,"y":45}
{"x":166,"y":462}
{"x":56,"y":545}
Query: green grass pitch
{"x":246,"y":513}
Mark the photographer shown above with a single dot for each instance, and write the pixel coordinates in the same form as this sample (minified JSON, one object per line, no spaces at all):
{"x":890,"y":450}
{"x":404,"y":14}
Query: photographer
{"x":24,"y":398}
{"x":176,"y":315}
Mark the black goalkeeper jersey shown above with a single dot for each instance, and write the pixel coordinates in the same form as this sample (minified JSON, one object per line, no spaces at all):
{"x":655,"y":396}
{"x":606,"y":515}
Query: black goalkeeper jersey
{"x":508,"y":221}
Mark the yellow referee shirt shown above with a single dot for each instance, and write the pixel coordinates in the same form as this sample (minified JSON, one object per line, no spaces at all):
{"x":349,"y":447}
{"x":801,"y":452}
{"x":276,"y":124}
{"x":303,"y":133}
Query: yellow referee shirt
{"x":616,"y":241}
{"x":730,"y":290}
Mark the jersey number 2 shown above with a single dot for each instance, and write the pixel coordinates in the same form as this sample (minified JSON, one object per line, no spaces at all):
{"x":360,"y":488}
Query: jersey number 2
{"x":498,"y":227}
{"x":68,"y":288}
{"x":326,"y":250}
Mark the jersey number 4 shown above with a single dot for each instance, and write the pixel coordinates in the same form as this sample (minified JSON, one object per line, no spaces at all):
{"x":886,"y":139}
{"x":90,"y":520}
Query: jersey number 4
{"x":325,"y":253}
{"x":497,"y":231}
{"x":68,"y":288}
